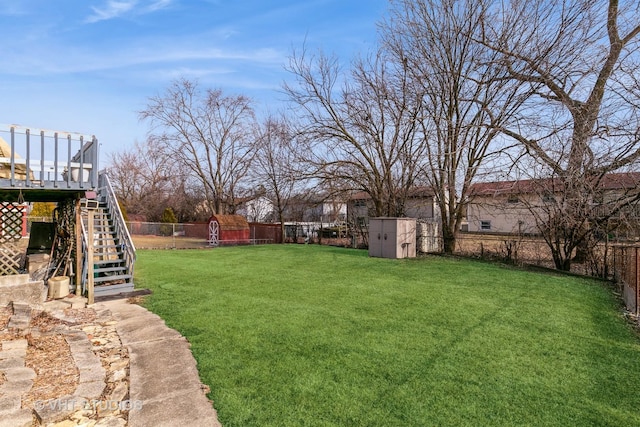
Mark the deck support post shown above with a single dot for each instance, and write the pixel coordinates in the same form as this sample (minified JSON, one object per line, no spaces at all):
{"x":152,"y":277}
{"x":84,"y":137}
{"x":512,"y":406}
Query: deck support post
{"x":78,"y":229}
{"x":90,"y":229}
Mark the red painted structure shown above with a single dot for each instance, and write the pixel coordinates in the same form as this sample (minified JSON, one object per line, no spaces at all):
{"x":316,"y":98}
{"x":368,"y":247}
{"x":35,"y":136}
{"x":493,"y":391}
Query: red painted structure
{"x":228,"y":230}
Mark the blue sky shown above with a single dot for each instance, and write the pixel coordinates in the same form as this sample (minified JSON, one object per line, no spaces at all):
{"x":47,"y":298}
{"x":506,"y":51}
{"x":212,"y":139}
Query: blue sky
{"x":89,"y":66}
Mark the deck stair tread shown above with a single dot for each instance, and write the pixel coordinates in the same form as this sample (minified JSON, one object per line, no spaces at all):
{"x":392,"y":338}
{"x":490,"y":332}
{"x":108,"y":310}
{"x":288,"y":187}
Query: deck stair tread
{"x":112,"y":278}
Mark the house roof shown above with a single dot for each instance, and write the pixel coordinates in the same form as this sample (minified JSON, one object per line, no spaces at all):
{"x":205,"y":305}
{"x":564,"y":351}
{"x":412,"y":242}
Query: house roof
{"x":612,"y":181}
{"x":415,"y":192}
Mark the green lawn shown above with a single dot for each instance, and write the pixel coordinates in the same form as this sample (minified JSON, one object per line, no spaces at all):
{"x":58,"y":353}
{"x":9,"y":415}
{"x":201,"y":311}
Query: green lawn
{"x":318,"y":336}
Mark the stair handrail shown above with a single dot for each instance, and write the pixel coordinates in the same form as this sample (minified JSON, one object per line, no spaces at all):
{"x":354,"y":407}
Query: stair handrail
{"x":84,"y":275}
{"x":119,"y":225}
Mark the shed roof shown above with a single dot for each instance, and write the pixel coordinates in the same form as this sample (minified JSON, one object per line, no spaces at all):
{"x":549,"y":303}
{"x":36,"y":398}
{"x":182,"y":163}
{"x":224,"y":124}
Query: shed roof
{"x":231,"y":222}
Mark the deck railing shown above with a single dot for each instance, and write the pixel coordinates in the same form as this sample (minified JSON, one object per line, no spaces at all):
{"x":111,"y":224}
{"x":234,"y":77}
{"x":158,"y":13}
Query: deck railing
{"x":37,"y":158}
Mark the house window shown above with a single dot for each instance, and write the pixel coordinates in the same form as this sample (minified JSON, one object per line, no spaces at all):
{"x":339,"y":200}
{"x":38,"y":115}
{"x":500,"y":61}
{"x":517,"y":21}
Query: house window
{"x":513,"y":198}
{"x":485,"y":225}
{"x":548,"y":198}
{"x":362,"y":221}
{"x":359,"y":203}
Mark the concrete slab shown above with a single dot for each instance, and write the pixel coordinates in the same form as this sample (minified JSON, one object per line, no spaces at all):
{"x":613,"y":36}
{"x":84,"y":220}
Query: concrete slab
{"x":91,"y":375}
{"x":14,"y":279}
{"x":90,"y":369}
{"x":173,"y":362}
{"x":16,"y":387}
{"x":20,"y":418}
{"x":19,"y":374}
{"x":19,"y":322}
{"x":136,"y":324}
{"x":9,"y":403}
{"x":55,"y":305}
{"x":165,"y":389}
{"x":90,"y":390}
{"x":184,"y":408}
{"x":135,"y":330}
{"x":21,"y":344}
{"x":19,"y":288}
{"x":17,"y":353}
{"x":55,"y":410}
{"x":85,"y":361}
{"x":21,"y":309}
{"x":77,"y":302}
{"x":75,"y":336}
{"x":10,"y":362}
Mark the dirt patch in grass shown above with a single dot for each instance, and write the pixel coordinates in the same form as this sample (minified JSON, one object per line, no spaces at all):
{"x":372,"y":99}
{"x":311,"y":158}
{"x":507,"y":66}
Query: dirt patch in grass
{"x":138,"y":300}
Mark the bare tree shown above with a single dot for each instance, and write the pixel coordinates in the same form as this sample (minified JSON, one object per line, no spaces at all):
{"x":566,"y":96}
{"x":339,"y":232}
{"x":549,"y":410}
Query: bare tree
{"x":275,"y":165}
{"x":141,"y":178}
{"x":186,"y":199}
{"x":209,"y":133}
{"x":359,"y":127}
{"x":464,"y":94}
{"x":578,"y":59}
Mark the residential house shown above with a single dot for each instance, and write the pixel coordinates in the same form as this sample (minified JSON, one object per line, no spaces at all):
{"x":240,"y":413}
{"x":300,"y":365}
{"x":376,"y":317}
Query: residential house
{"x":325,"y":210}
{"x":420,"y":204}
{"x":316,"y":208}
{"x":509,"y":206}
{"x":307,"y":215}
{"x":257,"y":209}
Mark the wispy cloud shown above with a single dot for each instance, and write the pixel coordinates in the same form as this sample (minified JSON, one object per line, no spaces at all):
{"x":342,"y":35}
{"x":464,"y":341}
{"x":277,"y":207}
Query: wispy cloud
{"x":160,"y":52}
{"x":112,"y":9}
{"x":117,"y":8}
{"x":158,"y":4}
{"x":12,"y":8}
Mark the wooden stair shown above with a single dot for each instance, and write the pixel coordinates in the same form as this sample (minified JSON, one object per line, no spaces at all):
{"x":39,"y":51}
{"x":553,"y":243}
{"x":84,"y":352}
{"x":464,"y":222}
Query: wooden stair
{"x":111,"y":274}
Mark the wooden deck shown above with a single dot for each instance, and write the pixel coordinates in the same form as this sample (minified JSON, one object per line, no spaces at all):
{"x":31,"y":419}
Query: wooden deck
{"x":42,"y":165}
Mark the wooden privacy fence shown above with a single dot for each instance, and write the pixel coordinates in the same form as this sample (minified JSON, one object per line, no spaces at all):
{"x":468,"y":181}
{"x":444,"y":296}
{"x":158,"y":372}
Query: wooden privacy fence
{"x":626,"y":273}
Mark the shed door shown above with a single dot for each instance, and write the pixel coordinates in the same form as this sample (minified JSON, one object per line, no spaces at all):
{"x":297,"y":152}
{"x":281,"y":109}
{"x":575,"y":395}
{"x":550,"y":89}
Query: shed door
{"x":214,"y":233}
{"x":375,"y":237}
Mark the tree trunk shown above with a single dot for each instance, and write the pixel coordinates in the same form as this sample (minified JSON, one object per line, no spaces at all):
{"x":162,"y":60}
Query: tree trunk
{"x":282,"y":227}
{"x":561,"y":262}
{"x":448,"y":240}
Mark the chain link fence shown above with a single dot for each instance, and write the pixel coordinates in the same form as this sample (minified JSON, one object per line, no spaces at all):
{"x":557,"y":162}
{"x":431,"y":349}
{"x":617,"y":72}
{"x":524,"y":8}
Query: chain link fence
{"x":159,"y":235}
{"x":533,"y":250}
